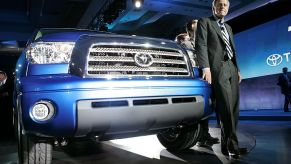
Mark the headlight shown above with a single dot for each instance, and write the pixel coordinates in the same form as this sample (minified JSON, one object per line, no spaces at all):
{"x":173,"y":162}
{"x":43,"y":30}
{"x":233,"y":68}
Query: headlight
{"x":50,"y":52}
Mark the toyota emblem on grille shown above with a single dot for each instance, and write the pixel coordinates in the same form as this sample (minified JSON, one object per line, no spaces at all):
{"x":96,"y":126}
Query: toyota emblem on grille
{"x":143,"y":60}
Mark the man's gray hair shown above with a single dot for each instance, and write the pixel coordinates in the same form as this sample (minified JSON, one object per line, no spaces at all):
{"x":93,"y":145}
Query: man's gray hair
{"x":214,"y":1}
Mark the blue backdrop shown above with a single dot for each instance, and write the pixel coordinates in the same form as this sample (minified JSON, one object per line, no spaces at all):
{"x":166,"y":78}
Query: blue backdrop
{"x":265,"y":49}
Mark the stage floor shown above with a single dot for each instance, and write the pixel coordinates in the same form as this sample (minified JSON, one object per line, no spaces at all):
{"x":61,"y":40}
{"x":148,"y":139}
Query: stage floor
{"x":268,"y":142}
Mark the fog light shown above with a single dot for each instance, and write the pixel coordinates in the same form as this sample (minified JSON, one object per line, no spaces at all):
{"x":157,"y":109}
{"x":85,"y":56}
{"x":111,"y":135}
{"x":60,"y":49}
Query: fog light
{"x":42,"y":111}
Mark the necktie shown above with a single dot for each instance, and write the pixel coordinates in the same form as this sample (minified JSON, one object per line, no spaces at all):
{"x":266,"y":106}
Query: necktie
{"x":226,"y":40}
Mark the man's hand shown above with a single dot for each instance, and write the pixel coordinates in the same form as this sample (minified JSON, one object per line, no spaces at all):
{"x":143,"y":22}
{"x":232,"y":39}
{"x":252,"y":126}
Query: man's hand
{"x":239,"y":77}
{"x":206,"y":75}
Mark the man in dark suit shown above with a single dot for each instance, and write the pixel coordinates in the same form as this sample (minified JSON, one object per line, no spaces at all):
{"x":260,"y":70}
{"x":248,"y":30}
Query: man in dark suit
{"x":216,"y":55}
{"x":284,"y":81}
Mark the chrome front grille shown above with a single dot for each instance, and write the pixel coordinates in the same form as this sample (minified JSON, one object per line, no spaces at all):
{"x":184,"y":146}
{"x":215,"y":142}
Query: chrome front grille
{"x":130,"y":61}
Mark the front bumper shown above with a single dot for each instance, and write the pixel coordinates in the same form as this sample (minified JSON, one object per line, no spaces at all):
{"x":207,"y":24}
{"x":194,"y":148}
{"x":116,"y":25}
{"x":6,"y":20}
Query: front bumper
{"x":151,"y":104}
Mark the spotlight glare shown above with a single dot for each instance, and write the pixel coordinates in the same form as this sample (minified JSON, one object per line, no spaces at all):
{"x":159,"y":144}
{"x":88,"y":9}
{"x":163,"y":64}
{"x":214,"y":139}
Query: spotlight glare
{"x":137,"y":4}
{"x":147,"y":45}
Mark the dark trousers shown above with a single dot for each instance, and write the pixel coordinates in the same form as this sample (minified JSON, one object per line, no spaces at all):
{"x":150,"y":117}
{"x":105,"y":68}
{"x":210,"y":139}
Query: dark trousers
{"x":204,"y":128}
{"x":214,"y":107}
{"x":226,"y":92}
{"x":287,"y":102}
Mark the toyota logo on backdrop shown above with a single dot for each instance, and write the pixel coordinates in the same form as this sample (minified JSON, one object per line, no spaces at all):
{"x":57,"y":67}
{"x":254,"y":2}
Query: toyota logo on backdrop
{"x":274,"y":60}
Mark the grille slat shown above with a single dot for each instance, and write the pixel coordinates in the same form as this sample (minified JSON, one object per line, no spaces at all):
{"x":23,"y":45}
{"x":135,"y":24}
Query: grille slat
{"x":111,"y":58}
{"x":136,"y":68}
{"x":131,"y":61}
{"x":145,"y":51}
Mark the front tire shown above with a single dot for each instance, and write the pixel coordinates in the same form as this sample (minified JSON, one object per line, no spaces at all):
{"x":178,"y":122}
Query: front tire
{"x":32,"y":150}
{"x":178,"y":139}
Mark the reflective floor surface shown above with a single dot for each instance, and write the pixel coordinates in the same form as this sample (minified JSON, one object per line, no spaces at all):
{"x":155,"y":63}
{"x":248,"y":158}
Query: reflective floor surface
{"x":268,"y":142}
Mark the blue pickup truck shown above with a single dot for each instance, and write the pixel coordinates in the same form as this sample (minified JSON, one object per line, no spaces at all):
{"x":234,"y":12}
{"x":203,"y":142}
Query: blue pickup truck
{"x":74,"y":83}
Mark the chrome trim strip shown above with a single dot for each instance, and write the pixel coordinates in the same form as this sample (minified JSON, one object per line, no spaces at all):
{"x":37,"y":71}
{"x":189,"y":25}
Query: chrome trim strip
{"x":136,"y":68}
{"x":130,"y":59}
{"x":129,"y":50}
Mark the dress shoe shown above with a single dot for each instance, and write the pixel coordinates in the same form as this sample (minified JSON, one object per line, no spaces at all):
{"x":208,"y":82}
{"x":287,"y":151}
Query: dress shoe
{"x":211,"y":139}
{"x":207,"y":140}
{"x":237,"y":153}
{"x":234,"y":155}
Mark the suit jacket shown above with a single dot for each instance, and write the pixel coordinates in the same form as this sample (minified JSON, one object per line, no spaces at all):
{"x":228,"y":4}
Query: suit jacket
{"x":284,"y":84}
{"x":210,"y":46}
